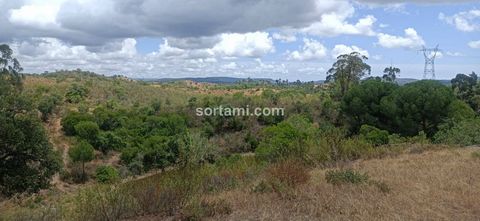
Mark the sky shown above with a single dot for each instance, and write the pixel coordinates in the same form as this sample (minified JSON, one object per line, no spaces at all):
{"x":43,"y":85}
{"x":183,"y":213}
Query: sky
{"x":294,"y":40}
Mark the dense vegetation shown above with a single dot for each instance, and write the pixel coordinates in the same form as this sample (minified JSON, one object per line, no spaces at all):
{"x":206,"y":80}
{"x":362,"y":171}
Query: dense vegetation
{"x":115,"y":128}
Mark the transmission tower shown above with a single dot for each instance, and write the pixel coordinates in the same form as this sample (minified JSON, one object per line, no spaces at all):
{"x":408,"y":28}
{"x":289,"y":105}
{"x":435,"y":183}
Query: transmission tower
{"x":430,"y":54}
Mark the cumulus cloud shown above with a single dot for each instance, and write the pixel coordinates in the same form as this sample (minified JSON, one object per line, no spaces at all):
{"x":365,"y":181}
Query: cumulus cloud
{"x":344,"y":49}
{"x":411,"y":40}
{"x":101,"y":21}
{"x":311,"y":50}
{"x":464,"y":21}
{"x":474,"y":44}
{"x":333,"y":24}
{"x":255,"y":44}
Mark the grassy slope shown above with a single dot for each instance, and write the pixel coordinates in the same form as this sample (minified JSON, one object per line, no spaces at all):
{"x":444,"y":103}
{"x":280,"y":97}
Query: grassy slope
{"x":435,"y":185}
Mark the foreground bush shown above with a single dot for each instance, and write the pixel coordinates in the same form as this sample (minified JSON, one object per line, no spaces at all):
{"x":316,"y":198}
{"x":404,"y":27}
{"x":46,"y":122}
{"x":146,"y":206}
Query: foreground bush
{"x":463,"y":133}
{"x":288,"y":139}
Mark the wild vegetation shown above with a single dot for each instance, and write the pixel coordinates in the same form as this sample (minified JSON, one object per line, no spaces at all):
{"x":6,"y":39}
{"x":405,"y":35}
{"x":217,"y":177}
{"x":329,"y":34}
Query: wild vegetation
{"x":135,"y":150}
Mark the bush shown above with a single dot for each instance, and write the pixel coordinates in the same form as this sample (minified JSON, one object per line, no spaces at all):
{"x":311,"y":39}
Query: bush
{"x":87,"y":130}
{"x":374,"y":135}
{"x":289,"y":172}
{"x":72,"y":119}
{"x":337,"y":177}
{"x":106,"y":174}
{"x":76,"y":93}
{"x":463,"y":133}
{"x":107,"y":141}
{"x":47,"y":105}
{"x":106,"y":202}
{"x":355,"y":148}
{"x":288,"y":139}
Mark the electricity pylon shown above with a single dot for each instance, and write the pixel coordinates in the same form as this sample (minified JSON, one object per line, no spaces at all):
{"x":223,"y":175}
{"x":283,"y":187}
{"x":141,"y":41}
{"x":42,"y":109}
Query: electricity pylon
{"x":430,"y":54}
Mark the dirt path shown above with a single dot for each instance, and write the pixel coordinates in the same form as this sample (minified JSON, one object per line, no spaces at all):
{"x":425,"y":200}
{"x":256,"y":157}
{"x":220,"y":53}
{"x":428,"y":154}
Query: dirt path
{"x":60,"y":144}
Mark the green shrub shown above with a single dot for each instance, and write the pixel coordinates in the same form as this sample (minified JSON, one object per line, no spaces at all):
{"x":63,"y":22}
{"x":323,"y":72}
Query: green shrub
{"x":355,"y":148}
{"x":374,"y":135}
{"x":72,"y":119}
{"x":106,"y":174}
{"x":87,"y":130}
{"x":288,"y":139}
{"x":107,"y":141}
{"x":47,"y":105}
{"x":76,"y":93}
{"x":337,"y":177}
{"x":463,"y":133}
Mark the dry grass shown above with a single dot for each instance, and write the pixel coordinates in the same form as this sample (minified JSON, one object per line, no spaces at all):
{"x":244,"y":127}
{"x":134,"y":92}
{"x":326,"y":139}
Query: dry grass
{"x":436,"y":185}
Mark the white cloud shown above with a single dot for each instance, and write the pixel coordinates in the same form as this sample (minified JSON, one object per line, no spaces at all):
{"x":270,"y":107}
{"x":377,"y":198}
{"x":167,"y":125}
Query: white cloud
{"x":411,"y":40}
{"x":464,"y":21}
{"x":474,"y":44}
{"x":335,"y":24}
{"x":454,"y":54}
{"x":344,"y":49}
{"x":311,"y":50}
{"x":255,"y":44}
{"x":285,"y":36}
{"x":35,"y":15}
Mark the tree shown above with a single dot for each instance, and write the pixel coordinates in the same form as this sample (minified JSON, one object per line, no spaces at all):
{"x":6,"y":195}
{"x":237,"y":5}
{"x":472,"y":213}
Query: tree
{"x":390,"y":74}
{"x":158,"y":153}
{"x":83,"y":152}
{"x":361,"y":105}
{"x":348,"y":70}
{"x":418,"y":106}
{"x":464,"y":87}
{"x":27,"y":159}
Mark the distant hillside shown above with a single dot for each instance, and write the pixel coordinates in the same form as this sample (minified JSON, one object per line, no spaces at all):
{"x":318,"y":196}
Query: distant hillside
{"x":215,"y":80}
{"x":233,"y":80}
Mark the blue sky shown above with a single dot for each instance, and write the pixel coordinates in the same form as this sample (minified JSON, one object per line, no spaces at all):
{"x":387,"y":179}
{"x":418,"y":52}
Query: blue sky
{"x":274,"y":39}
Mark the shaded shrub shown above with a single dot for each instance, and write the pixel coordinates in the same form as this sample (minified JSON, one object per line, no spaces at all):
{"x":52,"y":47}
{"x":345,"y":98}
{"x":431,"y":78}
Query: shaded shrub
{"x":72,"y":119}
{"x":374,"y":135}
{"x":337,"y":177}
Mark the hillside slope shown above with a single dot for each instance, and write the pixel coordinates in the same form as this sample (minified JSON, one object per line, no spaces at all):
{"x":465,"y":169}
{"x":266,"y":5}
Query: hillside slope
{"x":440,"y":185}
{"x":435,"y":185}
